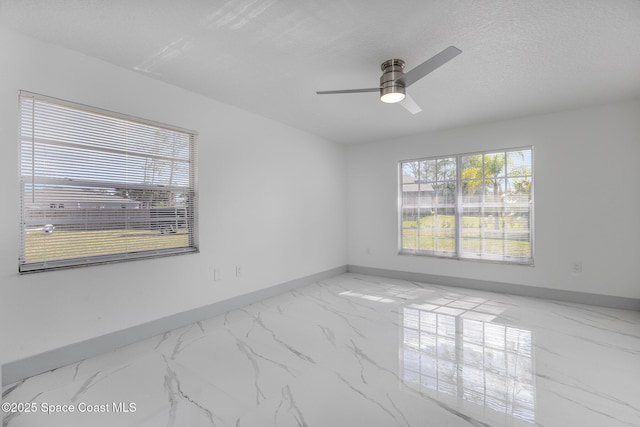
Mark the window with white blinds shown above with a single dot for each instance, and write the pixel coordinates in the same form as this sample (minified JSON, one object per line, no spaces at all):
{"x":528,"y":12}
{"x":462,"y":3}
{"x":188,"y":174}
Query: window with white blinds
{"x":471,"y":206}
{"x":98,"y":186}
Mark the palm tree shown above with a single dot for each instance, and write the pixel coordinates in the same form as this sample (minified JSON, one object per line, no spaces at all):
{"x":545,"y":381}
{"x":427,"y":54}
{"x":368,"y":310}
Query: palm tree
{"x":482,"y":170}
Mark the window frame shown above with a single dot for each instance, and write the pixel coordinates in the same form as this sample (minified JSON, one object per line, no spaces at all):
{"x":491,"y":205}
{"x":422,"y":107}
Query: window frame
{"x":457,"y":254}
{"x":184,"y":218}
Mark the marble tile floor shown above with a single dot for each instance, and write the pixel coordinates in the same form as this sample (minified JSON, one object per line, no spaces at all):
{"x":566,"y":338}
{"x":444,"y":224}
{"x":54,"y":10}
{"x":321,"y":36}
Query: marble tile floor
{"x":359,"y":350}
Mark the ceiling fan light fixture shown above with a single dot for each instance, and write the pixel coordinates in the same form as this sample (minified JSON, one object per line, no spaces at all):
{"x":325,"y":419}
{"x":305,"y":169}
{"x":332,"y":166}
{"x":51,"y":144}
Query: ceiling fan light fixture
{"x":391,"y":95}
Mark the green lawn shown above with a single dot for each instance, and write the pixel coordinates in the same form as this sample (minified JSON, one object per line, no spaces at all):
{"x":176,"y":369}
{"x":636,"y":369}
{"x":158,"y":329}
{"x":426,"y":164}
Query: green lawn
{"x":448,"y":221}
{"x":442,"y":237}
{"x":62,"y":244}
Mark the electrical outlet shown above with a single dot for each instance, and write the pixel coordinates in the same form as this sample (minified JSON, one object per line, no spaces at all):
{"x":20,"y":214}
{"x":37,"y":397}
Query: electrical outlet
{"x":576,"y":268}
{"x":238,"y":271}
{"x":217,"y":275}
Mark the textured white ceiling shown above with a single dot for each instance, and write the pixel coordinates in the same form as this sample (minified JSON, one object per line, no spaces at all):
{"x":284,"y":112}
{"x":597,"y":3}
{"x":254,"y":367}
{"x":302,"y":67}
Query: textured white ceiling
{"x":519,"y":57}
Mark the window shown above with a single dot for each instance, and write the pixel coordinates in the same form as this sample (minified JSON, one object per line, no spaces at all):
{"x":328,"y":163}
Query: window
{"x":97,"y":186}
{"x":471,"y":206}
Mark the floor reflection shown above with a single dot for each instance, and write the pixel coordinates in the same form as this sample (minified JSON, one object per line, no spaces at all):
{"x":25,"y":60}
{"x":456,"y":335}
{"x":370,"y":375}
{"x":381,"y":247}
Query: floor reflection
{"x":450,"y":348}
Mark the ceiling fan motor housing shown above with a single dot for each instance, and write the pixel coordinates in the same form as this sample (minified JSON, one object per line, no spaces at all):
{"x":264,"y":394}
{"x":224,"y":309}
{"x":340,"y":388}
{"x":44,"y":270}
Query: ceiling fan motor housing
{"x":392,"y":70}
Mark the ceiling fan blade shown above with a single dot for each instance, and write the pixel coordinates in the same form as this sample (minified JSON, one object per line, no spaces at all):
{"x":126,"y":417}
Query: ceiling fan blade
{"x":333,"y":92}
{"x":429,"y":65}
{"x":410,"y":105}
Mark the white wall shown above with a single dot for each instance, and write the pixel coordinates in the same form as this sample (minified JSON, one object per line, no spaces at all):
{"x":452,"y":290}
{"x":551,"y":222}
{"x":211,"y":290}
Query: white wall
{"x":272,"y":199}
{"x":584,"y":160}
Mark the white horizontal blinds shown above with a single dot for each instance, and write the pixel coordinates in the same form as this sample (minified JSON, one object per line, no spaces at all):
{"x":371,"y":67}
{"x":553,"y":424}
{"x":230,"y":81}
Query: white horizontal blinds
{"x":469,"y":206}
{"x":443,"y":211}
{"x":97,"y":186}
{"x":412,"y":205}
{"x":428,"y":205}
{"x":496,"y":205}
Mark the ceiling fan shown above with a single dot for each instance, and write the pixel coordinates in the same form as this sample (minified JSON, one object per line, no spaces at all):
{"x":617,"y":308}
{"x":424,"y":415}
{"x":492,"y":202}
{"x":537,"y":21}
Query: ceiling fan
{"x":394,"y":80}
